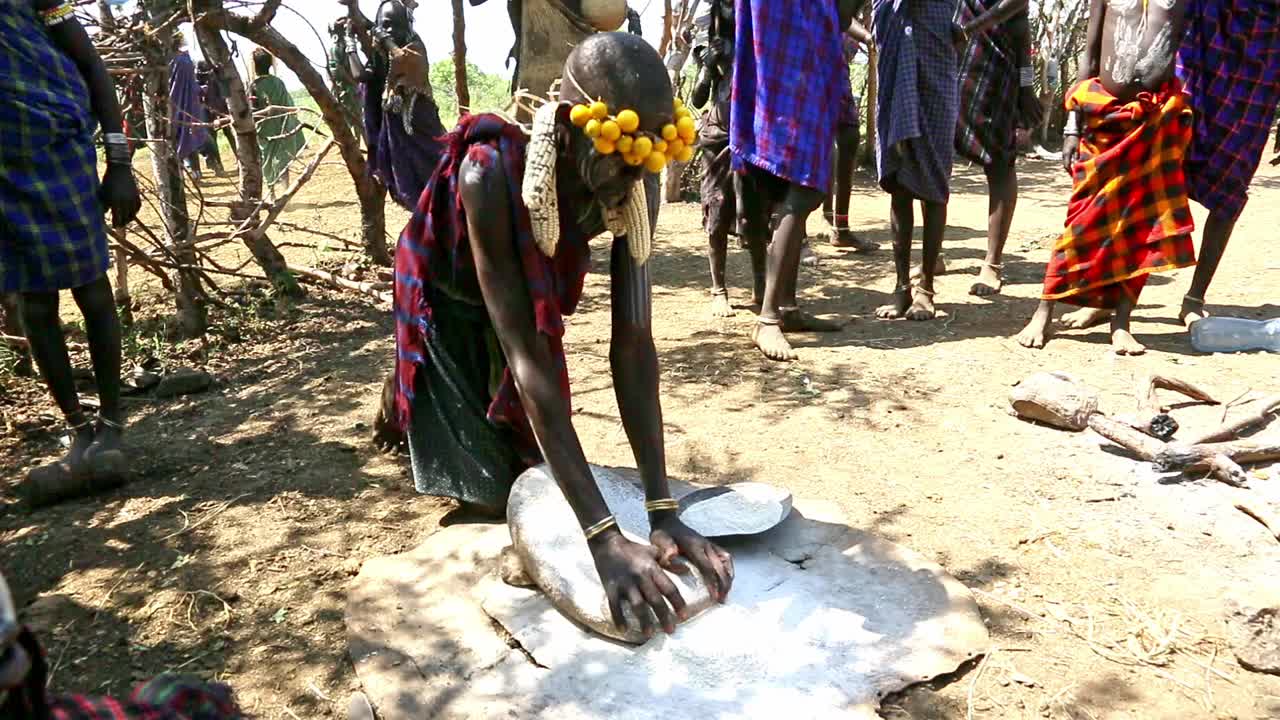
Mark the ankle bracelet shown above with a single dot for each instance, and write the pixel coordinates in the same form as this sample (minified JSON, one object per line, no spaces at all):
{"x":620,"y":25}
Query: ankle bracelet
{"x":1193,"y":298}
{"x":109,"y":423}
{"x":771,"y":322}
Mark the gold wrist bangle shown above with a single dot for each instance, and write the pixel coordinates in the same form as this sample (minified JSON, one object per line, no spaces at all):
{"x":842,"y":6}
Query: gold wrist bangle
{"x":600,"y":527}
{"x":661,"y":505}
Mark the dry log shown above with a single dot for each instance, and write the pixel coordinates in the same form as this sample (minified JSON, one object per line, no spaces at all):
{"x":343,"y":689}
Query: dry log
{"x":1126,"y":436}
{"x":1055,"y":399}
{"x":1267,"y":410}
{"x":366,"y":288}
{"x":1177,"y":456}
{"x":1153,"y":418}
{"x":1261,"y":514}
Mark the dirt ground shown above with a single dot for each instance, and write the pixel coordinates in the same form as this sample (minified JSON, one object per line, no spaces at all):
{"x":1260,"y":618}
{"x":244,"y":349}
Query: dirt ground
{"x":1104,"y":585}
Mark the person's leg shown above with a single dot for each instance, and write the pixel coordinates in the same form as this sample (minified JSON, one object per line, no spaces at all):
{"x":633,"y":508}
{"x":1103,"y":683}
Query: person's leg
{"x":102,"y":326}
{"x":1002,"y":189}
{"x":847,"y":140}
{"x":43,"y":328}
{"x":799,"y":204}
{"x":717,"y":253}
{"x":935,"y":226}
{"x":1217,"y":233}
{"x":213,"y":156}
{"x":902,"y":220}
{"x":231,"y":138}
{"x":1037,"y":333}
{"x":782,"y":269}
{"x":1122,"y":341}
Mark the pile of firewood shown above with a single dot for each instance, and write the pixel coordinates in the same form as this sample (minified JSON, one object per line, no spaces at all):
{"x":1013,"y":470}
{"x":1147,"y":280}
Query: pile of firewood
{"x":1059,"y":400}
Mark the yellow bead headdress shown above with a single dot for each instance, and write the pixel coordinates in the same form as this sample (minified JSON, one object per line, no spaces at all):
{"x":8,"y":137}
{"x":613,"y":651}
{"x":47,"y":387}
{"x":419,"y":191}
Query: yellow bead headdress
{"x":621,"y":134}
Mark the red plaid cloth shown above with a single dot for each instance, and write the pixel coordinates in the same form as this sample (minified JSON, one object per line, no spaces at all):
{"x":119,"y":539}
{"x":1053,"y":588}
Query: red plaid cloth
{"x":1129,"y":214}
{"x":434,"y":255}
{"x":167,"y":697}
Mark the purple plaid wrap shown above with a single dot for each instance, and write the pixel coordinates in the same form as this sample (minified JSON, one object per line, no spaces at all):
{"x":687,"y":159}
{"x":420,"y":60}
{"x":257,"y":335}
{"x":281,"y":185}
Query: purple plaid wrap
{"x":1230,"y":64}
{"x":786,"y":82}
{"x":917,"y":105}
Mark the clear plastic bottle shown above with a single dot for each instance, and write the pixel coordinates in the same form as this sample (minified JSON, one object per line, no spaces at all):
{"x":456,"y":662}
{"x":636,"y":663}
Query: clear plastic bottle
{"x":1228,"y":334}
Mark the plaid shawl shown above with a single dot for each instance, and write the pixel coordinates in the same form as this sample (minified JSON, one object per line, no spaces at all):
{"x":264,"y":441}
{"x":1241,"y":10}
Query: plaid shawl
{"x":166,"y":697}
{"x":1229,"y":62}
{"x":434,"y":256}
{"x":786,"y":83}
{"x":52,"y":232}
{"x":985,"y":129}
{"x":917,"y":103}
{"x":1129,"y":215}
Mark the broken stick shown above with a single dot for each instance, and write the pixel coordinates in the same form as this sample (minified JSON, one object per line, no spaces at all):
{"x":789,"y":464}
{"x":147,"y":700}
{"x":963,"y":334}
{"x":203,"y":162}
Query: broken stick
{"x":1153,"y":417}
{"x":1223,"y":459}
{"x":1267,"y":410}
{"x":1261,"y":514}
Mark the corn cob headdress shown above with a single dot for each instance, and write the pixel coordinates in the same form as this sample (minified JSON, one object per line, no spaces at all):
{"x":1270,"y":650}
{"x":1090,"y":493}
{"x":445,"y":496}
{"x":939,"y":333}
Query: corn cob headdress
{"x":620,"y":66}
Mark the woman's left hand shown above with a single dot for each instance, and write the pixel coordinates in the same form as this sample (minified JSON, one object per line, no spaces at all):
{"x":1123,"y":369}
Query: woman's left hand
{"x":676,"y":542}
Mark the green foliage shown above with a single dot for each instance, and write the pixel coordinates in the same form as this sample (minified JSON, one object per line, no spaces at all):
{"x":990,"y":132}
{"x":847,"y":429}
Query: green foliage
{"x":488,"y":92}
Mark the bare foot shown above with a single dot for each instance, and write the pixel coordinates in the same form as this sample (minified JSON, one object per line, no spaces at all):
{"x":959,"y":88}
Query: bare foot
{"x":1124,"y":343}
{"x":990,"y":281}
{"x":1085,"y":318}
{"x":720,"y":306}
{"x":898,"y":309}
{"x":921,"y":305}
{"x":1192,"y":311}
{"x":1036,"y":333}
{"x":808,"y":257}
{"x":770,"y":340}
{"x":105,"y":458}
{"x":845,"y":238}
{"x":796,"y":320}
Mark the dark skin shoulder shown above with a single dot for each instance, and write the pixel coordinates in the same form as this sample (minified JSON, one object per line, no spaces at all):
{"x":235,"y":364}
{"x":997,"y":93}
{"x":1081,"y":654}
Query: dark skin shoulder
{"x":119,"y":192}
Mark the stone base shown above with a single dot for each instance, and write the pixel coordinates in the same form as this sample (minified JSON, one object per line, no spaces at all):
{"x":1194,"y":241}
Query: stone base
{"x":822,"y":622}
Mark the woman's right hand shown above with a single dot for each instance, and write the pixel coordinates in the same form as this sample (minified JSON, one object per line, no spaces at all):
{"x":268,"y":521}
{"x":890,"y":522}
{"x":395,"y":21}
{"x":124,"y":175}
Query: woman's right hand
{"x":632,"y":577}
{"x":1070,"y":152}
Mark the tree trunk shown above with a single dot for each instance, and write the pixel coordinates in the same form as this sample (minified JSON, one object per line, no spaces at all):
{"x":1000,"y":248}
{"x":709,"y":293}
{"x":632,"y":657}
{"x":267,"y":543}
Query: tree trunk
{"x":260,"y":246}
{"x":105,"y":18}
{"x":369,"y":191}
{"x":193,"y":318}
{"x":872,"y":101}
{"x":460,"y":58}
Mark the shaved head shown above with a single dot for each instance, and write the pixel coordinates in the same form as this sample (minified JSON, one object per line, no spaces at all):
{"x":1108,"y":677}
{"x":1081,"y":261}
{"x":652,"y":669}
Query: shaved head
{"x":625,"y":72}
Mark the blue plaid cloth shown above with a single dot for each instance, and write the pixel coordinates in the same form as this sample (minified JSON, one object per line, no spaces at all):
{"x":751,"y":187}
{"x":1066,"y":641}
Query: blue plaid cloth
{"x":917,"y":104}
{"x":787,"y":75}
{"x":1229,"y":63}
{"x":52,"y":232}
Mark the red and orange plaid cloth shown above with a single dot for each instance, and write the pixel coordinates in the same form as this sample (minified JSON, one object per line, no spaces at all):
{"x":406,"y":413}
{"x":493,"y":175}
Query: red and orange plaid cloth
{"x":1129,"y":215}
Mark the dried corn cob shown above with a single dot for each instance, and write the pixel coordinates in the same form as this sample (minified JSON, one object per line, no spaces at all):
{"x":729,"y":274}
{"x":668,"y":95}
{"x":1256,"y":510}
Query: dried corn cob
{"x":539,"y":186}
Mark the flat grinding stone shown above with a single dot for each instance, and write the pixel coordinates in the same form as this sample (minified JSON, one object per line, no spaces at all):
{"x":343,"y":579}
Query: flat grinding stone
{"x":739,"y":509}
{"x":822,"y":622}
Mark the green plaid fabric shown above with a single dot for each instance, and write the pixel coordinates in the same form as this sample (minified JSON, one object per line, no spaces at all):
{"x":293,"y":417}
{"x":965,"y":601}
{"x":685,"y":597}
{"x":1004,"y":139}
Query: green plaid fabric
{"x":52,"y":231}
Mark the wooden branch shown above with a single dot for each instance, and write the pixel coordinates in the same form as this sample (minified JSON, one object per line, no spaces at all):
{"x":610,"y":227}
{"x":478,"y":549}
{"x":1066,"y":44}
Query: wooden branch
{"x":15,"y":341}
{"x":1124,"y":435}
{"x":1153,"y":417}
{"x":267,"y":13}
{"x":1267,"y":410}
{"x":365,"y":288}
{"x":1261,"y":514}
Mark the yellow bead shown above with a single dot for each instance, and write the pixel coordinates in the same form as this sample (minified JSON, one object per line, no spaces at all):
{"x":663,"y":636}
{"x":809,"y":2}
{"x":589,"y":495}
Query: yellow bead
{"x":655,"y":162}
{"x":685,"y":124}
{"x":689,"y":136}
{"x":624,"y":143}
{"x":660,"y":146}
{"x":683,"y":113}
{"x":674,"y":147}
{"x":605,"y":147}
{"x":669,"y":132}
{"x":579,"y":115}
{"x":592,"y":129}
{"x":628,"y":121}
{"x":610,"y":131}
{"x":631,"y":159}
{"x":642,"y":147}
{"x":599,"y":110}
{"x":685,"y":154}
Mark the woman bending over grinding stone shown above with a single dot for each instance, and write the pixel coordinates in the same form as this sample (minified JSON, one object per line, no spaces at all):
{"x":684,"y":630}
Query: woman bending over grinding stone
{"x":493,"y":259}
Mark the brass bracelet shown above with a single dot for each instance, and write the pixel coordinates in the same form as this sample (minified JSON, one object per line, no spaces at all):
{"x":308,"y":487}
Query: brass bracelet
{"x":661,"y":505}
{"x":595,"y":530}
